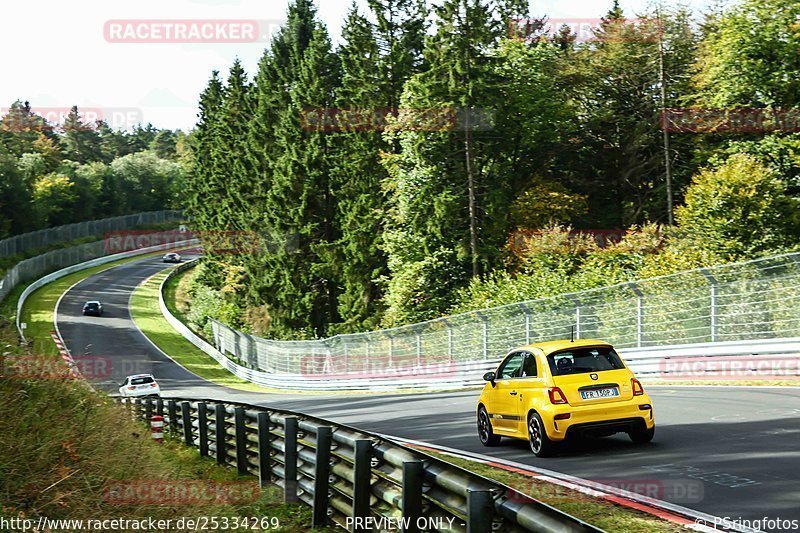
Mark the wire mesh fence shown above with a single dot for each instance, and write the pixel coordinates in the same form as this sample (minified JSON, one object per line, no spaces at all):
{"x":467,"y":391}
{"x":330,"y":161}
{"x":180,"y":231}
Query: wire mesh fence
{"x":39,"y":265}
{"x":45,"y":238}
{"x":736,"y":302}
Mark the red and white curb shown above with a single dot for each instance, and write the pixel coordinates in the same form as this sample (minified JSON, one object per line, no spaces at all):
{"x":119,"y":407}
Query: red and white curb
{"x":689,"y":518}
{"x":65,"y":355}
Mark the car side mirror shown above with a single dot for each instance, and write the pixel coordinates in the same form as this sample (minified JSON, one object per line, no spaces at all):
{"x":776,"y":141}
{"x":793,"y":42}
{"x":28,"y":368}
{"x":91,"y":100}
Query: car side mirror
{"x":490,"y":377}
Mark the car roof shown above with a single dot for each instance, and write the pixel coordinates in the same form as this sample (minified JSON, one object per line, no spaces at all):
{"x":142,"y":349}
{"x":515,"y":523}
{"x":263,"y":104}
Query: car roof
{"x":93,"y":302}
{"x":549,"y":347}
{"x":141,"y":376}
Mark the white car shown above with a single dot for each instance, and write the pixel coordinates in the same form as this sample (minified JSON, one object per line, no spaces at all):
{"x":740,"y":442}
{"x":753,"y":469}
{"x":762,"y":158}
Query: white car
{"x":171,"y":257}
{"x":140,"y":385}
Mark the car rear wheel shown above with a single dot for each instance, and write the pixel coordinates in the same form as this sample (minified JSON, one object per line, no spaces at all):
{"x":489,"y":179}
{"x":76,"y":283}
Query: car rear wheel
{"x":485,"y":433}
{"x":540,"y":443}
{"x":642,"y":436}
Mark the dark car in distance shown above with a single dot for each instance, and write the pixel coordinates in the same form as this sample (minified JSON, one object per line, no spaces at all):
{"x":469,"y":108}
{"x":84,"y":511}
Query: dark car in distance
{"x":93,"y":308}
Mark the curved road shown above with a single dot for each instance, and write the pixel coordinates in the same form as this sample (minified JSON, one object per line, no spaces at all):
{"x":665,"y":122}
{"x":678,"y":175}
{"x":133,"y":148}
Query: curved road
{"x":730,"y":452}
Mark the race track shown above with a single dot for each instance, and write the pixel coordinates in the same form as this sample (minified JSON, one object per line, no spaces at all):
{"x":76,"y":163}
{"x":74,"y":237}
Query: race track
{"x":730,"y":452}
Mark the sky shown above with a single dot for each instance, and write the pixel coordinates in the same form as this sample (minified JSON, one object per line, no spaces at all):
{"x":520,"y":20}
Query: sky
{"x":96,"y":54}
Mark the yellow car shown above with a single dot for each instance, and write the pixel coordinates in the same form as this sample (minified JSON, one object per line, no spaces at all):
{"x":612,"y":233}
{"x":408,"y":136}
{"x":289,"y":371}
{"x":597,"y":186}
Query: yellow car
{"x":546,"y":392}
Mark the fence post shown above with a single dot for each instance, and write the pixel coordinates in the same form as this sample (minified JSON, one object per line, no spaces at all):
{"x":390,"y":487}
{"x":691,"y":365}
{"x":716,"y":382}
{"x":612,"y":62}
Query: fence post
{"x":419,"y":349}
{"x":713,"y":296}
{"x":485,"y":334}
{"x":290,"y":460}
{"x":220,"y":434}
{"x":322,"y":471}
{"x":172,"y":412}
{"x":639,"y":314}
{"x":264,"y":449}
{"x":159,"y":407}
{"x":362,"y":479}
{"x":186,"y":416}
{"x":411,"y":506}
{"x":148,"y":408}
{"x":202,"y":428}
{"x":480,"y":508}
{"x":527,"y":311}
{"x":241,"y":440}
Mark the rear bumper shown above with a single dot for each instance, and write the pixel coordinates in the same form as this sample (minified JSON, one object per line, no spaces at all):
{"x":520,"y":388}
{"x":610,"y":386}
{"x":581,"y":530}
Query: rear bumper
{"x":601,"y":420}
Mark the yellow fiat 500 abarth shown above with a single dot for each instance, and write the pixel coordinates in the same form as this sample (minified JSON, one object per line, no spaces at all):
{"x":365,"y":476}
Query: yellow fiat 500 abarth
{"x":546,"y":392}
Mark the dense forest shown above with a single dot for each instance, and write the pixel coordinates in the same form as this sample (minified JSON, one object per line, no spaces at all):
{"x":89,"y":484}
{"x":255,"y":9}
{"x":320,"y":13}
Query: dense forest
{"x":54,"y":174}
{"x":442,"y":157}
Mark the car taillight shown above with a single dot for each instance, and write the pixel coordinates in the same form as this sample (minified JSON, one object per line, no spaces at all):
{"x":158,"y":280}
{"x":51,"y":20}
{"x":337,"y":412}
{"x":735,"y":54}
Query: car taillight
{"x":638,"y":390}
{"x":556,"y":395}
{"x":131,"y":387}
{"x":153,"y":385}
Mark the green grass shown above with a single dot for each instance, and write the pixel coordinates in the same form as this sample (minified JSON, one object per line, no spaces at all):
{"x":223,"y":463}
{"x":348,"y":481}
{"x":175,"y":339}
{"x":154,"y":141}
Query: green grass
{"x":147,"y":315}
{"x":598,"y":512}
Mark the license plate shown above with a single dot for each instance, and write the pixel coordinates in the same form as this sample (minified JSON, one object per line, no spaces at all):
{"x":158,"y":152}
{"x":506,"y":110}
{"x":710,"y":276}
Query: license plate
{"x":595,"y":394}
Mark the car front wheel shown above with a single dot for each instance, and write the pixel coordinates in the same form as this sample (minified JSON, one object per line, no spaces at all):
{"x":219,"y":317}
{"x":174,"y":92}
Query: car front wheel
{"x":540,"y":443}
{"x":485,"y":433}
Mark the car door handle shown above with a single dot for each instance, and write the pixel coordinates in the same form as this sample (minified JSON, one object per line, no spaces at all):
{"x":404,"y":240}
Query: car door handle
{"x":513,"y":393}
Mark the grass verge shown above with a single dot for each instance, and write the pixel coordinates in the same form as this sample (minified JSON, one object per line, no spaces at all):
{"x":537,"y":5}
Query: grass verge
{"x":604,"y":514}
{"x":147,"y":315}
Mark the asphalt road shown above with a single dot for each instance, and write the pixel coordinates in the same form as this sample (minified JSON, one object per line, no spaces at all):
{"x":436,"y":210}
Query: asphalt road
{"x":730,"y":452}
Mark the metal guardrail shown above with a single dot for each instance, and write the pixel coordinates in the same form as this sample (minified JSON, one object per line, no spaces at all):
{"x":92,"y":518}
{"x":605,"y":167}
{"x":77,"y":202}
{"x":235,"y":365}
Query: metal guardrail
{"x":728,"y":303}
{"x":343,"y":472}
{"x":49,"y":236}
{"x":47,"y":262}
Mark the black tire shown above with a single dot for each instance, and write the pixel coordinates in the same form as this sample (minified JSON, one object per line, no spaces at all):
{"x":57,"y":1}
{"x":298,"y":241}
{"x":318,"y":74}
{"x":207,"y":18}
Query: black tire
{"x":642,"y":436}
{"x":485,"y":433}
{"x":540,"y":443}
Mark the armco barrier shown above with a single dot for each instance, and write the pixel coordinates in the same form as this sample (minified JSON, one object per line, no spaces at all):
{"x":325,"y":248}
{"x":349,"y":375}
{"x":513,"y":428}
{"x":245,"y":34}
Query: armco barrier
{"x":744,"y":360}
{"x":103,"y":259}
{"x":346,"y":474}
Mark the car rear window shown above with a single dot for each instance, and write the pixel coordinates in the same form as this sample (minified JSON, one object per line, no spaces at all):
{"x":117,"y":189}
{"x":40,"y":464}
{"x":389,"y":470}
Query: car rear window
{"x":582,"y":360}
{"x":141,"y":381}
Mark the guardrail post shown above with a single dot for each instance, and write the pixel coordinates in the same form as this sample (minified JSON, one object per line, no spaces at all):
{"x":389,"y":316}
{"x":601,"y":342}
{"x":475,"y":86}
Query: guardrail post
{"x":148,"y":408}
{"x":322,"y":470}
{"x":362,"y":479}
{"x":241,"y":440}
{"x":480,"y":508}
{"x":411,"y":506}
{"x":172,"y":413}
{"x":221,"y":435}
{"x":290,"y":460}
{"x":264,"y":449}
{"x":159,"y":407}
{"x":202,"y":428}
{"x":186,"y":417}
